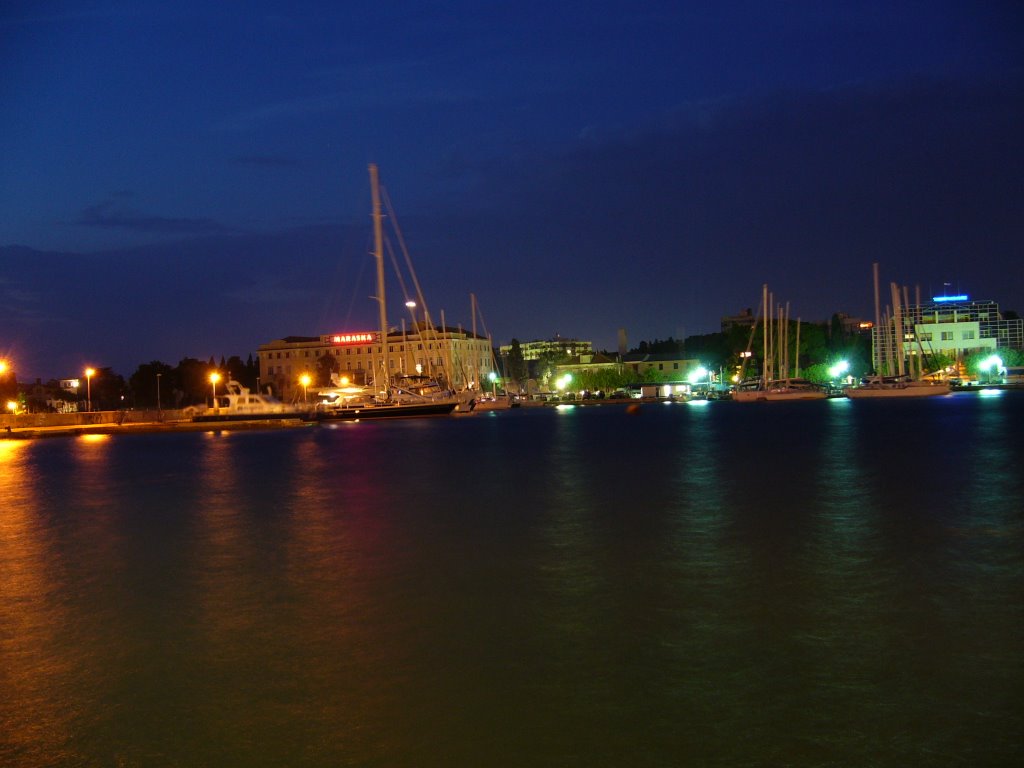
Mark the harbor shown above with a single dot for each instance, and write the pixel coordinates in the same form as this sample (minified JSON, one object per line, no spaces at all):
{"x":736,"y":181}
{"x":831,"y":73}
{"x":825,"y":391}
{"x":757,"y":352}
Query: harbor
{"x":588,"y":581}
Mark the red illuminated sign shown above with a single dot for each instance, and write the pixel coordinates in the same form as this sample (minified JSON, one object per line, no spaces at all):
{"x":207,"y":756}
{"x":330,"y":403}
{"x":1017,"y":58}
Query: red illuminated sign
{"x":353,"y":338}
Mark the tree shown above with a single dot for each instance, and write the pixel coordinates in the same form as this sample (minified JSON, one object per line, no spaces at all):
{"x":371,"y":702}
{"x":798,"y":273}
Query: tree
{"x":517,"y":370}
{"x":193,"y":382}
{"x":325,"y":366}
{"x":8,"y":384}
{"x":108,"y":390}
{"x":143,"y":384}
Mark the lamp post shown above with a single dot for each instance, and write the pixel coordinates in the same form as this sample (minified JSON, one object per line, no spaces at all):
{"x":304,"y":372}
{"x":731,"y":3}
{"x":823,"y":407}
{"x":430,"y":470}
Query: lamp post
{"x":214,"y":378}
{"x":993,"y":361}
{"x":494,"y":384}
{"x":304,"y":380}
{"x":158,"y":391}
{"x":89,"y":373}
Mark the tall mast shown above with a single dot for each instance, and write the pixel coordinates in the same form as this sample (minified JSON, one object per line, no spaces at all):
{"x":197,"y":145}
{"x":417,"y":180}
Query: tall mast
{"x":897,"y":326}
{"x":378,"y":254}
{"x":765,"y":332}
{"x":877,"y":351}
{"x":475,"y":365}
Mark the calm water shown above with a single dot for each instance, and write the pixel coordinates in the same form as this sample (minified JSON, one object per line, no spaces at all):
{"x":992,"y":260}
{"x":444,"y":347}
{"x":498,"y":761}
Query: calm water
{"x":833,"y":584}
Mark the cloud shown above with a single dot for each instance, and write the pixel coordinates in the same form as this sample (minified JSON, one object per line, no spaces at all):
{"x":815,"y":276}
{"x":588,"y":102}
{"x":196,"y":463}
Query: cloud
{"x":106,"y":216}
{"x":268,"y":290}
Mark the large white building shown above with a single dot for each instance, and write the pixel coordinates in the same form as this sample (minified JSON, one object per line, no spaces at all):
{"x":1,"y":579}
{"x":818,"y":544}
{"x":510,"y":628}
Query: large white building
{"x":455,"y":356}
{"x":953,"y":326}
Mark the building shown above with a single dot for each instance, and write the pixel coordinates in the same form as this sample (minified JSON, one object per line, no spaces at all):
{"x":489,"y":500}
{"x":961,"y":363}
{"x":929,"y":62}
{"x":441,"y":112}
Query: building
{"x":745,"y":319}
{"x":556,"y":347}
{"x":457,"y":357}
{"x":952,"y":326}
{"x":674,"y":367}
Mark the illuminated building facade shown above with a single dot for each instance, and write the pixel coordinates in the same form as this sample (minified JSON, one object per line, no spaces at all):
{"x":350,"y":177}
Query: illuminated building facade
{"x":454,"y":356}
{"x":952,"y":326}
{"x":557,"y":347}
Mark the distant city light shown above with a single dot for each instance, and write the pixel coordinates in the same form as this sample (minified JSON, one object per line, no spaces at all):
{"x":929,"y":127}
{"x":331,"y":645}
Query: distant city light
{"x":940,"y":299}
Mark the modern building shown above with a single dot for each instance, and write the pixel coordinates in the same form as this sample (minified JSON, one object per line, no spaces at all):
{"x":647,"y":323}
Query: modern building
{"x":953,"y":326}
{"x":455,"y":356}
{"x":534,"y":350}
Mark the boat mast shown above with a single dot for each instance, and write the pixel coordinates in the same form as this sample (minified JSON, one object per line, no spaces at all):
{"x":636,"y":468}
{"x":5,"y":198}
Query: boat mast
{"x":877,"y":351}
{"x":765,"y":332}
{"x":378,"y":254}
{"x":796,"y":350}
{"x":474,"y":367}
{"x":897,"y":320}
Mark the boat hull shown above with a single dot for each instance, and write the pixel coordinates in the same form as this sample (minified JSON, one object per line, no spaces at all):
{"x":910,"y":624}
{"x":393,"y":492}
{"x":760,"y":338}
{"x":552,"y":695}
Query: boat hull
{"x":285,"y":416}
{"x":794,"y":395}
{"x":385,"y":411}
{"x":919,"y":390}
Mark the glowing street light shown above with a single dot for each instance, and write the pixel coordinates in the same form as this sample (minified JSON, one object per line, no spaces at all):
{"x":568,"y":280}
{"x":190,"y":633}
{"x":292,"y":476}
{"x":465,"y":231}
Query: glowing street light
{"x":305,"y":381}
{"x":89,"y":373}
{"x":214,"y":378}
{"x":494,"y":383}
{"x":698,"y":373}
{"x":3,"y":367}
{"x":837,"y":370}
{"x":12,"y":406}
{"x":993,"y":361}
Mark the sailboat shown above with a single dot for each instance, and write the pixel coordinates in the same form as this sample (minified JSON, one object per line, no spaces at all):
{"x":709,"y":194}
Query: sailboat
{"x":768,"y":387}
{"x":387,"y":400}
{"x":899,"y":383}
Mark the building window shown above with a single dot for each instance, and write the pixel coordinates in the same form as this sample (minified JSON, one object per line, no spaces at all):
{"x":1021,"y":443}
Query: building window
{"x":968,"y":335}
{"x":947,"y":335}
{"x":926,"y":336}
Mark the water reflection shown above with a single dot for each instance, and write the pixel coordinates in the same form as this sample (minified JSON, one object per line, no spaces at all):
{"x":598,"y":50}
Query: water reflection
{"x":580,"y":587}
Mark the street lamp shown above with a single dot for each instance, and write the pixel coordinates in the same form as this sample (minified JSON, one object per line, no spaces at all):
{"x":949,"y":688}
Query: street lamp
{"x":89,"y":373}
{"x":494,"y":383}
{"x":214,"y":378}
{"x":158,"y":391}
{"x":837,"y":370}
{"x":993,"y":361}
{"x":304,"y":380}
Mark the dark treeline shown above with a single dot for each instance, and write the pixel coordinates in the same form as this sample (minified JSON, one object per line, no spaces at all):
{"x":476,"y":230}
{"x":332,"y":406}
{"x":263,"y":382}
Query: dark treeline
{"x":154,"y":384}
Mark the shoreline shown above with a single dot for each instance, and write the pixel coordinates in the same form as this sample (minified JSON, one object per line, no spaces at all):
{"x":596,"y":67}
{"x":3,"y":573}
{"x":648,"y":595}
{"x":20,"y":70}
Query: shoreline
{"x":148,"y":427}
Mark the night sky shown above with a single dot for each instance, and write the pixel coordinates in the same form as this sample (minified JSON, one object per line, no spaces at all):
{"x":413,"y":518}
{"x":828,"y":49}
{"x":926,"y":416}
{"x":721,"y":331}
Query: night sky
{"x":189,"y":178}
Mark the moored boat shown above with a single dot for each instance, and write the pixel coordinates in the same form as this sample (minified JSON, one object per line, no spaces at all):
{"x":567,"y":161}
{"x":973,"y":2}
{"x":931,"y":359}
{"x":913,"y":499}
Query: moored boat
{"x":793,"y":389}
{"x":238,"y":403}
{"x":897,"y":386}
{"x":408,"y":396}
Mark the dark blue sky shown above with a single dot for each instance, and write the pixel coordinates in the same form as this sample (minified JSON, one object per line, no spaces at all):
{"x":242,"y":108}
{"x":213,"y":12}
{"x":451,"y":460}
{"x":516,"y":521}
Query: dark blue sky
{"x":182,"y":180}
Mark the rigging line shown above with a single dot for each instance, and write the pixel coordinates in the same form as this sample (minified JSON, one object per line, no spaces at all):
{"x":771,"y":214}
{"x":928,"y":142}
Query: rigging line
{"x":405,"y":252}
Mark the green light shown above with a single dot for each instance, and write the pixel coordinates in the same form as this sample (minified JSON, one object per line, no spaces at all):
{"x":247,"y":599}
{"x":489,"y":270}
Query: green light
{"x":994,"y":361}
{"x":698,"y":373}
{"x":838,"y":369}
